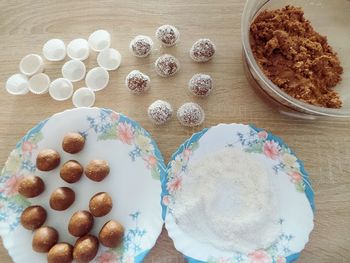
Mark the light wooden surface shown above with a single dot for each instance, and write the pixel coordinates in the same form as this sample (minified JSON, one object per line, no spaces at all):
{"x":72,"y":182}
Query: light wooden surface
{"x":324,"y":145}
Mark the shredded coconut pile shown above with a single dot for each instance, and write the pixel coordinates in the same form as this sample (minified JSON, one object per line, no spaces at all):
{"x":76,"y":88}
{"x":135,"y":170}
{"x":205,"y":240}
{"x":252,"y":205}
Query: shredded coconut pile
{"x":226,"y":200}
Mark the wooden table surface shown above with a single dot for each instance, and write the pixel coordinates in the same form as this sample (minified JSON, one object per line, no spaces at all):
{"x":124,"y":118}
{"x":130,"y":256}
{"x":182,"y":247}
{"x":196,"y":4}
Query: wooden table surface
{"x":324,"y":145}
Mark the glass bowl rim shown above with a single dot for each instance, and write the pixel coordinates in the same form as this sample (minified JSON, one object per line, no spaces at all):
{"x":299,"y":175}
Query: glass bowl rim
{"x":253,"y":65}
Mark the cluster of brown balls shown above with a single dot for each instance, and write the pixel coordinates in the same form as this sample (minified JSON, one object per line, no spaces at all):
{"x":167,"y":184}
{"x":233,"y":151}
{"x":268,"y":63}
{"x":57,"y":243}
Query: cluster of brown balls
{"x":159,"y":112}
{"x":45,"y":238}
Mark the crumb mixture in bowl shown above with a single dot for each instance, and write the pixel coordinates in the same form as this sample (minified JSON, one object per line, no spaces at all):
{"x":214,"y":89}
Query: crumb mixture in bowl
{"x":295,"y":57}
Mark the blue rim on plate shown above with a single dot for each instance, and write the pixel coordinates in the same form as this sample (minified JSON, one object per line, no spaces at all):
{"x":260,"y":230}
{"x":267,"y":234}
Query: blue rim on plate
{"x":269,"y":137}
{"x":9,"y":211}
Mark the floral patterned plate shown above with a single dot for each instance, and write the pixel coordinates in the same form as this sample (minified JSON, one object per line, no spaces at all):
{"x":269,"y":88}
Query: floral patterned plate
{"x":134,"y":182}
{"x":294,"y":192}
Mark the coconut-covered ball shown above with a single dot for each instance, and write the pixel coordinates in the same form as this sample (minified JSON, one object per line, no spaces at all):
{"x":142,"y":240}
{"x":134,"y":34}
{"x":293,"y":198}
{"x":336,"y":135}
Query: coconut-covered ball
{"x":141,"y":46}
{"x":190,"y":114}
{"x":137,"y":82}
{"x":159,"y":112}
{"x":167,"y":65}
{"x":168,"y":35}
{"x":202,"y":50}
{"x":200,"y":85}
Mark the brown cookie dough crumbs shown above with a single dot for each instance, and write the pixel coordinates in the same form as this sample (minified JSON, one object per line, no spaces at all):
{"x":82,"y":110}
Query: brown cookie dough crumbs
{"x":295,"y":57}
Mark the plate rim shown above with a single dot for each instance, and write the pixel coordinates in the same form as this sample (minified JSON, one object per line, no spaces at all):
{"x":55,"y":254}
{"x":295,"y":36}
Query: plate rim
{"x":196,"y":137}
{"x":161,"y":166}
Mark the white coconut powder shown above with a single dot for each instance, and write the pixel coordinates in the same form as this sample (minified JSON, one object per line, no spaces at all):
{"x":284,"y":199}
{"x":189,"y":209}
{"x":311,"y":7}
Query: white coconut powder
{"x":227,"y":200}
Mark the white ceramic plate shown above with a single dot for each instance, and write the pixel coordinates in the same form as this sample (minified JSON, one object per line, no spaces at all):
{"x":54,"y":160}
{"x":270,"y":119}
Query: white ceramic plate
{"x":136,"y":167}
{"x":294,"y":192}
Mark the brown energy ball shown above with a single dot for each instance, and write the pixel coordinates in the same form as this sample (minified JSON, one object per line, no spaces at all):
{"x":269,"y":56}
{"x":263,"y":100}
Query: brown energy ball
{"x":44,"y":239}
{"x":200,"y":85}
{"x":111,"y":234}
{"x":202,"y":50}
{"x":33,"y":217}
{"x":85,"y":248}
{"x":80,"y":223}
{"x":31,"y":186}
{"x":71,"y":171}
{"x":62,"y":198}
{"x":73,"y":142}
{"x":168,"y":35}
{"x":159,"y":112}
{"x":60,"y":253}
{"x":137,"y":82}
{"x":100,"y":204}
{"x":190,"y":114}
{"x":97,"y":170}
{"x":141,"y":46}
{"x":47,"y":160}
{"x":167,"y":65}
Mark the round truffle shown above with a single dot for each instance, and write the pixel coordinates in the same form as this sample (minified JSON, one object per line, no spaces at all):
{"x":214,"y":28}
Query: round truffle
{"x":111,"y":234}
{"x":137,"y":82}
{"x":73,"y":142}
{"x":85,"y":248}
{"x":47,"y":160}
{"x":168,"y":35}
{"x":97,"y":170}
{"x":200,"y":85}
{"x":141,"y":46}
{"x":31,"y":186}
{"x":71,"y":171}
{"x":60,"y":253}
{"x":62,"y":198}
{"x":100,"y":204}
{"x":202,"y":50}
{"x":44,"y":239}
{"x":80,"y":223}
{"x":159,"y":112}
{"x":190,"y":114}
{"x":167,"y":65}
{"x":33,"y":217}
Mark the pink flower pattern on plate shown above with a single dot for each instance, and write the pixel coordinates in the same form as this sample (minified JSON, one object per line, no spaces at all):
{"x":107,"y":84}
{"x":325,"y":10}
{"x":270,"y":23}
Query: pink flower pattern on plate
{"x":166,"y":200}
{"x":186,"y":154}
{"x":174,"y":184}
{"x":125,"y":132}
{"x":114,"y":116}
{"x":281,"y":259}
{"x":28,"y":146}
{"x":107,"y":257}
{"x":11,"y":185}
{"x":260,"y":256}
{"x":271,"y":149}
{"x":151,"y":161}
{"x":262,"y":134}
{"x":296,"y":177}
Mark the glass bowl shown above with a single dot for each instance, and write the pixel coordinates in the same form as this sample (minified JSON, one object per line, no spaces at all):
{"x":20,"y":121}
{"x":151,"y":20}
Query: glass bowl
{"x":329,"y":18}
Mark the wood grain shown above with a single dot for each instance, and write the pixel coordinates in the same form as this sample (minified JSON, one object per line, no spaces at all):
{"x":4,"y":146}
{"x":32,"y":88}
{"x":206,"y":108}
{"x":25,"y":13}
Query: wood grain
{"x":324,"y":145}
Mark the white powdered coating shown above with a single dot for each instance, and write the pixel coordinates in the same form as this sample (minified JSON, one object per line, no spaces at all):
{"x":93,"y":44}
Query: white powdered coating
{"x":137,"y":82}
{"x":159,"y":112}
{"x":190,"y":114}
{"x":227,"y":201}
{"x":168,"y":35}
{"x":202,"y":50}
{"x":167,"y":65}
{"x":141,"y":46}
{"x":200,"y":84}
